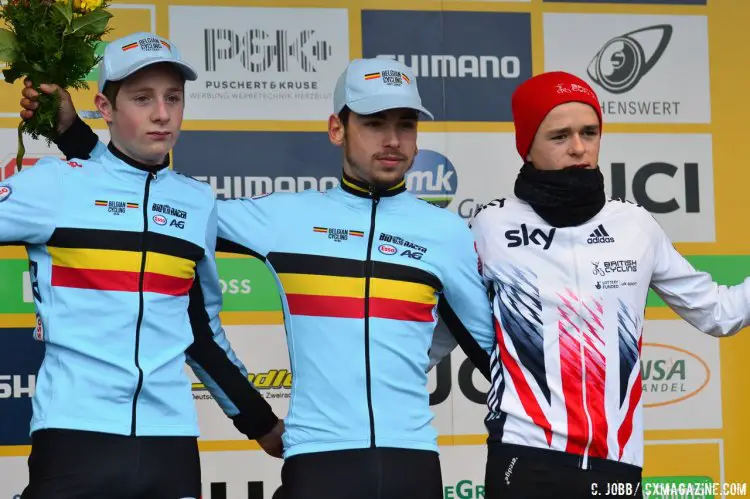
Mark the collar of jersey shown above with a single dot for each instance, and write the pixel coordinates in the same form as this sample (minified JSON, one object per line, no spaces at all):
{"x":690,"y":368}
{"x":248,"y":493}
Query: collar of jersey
{"x":136,"y":164}
{"x":364,"y":190}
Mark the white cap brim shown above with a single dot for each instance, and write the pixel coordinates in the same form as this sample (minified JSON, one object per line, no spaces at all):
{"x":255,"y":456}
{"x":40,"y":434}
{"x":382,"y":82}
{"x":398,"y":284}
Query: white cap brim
{"x":378,"y":103}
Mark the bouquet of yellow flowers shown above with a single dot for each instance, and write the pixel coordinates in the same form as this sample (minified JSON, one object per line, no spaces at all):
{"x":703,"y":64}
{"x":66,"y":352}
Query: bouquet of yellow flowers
{"x":50,"y":41}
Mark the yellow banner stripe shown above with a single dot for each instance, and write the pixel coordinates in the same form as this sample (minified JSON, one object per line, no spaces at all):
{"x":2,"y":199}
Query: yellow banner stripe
{"x":128,"y":261}
{"x":323,"y":285}
{"x":400,"y":290}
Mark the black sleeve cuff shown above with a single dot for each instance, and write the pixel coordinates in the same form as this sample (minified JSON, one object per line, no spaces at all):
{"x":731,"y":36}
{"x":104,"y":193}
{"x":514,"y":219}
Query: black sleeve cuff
{"x":261,"y":421}
{"x":77,"y":141}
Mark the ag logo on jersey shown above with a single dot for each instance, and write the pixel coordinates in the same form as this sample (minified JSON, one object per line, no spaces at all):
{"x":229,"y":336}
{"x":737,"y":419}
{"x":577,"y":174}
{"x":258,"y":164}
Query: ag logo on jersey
{"x":432,"y":178}
{"x":5,"y":192}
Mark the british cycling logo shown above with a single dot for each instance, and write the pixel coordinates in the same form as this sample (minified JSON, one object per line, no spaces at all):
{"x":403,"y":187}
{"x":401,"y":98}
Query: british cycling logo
{"x":624,"y":60}
{"x":5,"y":192}
{"x":432,"y":178}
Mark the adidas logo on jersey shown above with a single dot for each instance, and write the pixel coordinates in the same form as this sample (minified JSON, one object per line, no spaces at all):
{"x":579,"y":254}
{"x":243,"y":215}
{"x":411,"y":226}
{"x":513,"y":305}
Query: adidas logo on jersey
{"x":600,"y":236}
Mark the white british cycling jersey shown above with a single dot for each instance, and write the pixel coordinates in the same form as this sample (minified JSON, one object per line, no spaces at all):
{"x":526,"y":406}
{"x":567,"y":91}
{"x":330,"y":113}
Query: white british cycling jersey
{"x":568,"y":307}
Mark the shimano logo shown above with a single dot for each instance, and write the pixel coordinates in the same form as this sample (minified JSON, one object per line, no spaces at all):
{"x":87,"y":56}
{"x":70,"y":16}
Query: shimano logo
{"x":461,"y":66}
{"x":432,"y":178}
{"x":17,"y":386}
{"x":238,"y":187}
{"x":623,"y":61}
{"x":600,"y":236}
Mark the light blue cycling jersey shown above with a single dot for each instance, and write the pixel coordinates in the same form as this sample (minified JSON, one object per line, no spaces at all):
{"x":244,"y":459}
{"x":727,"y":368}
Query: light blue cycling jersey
{"x":363,"y":277}
{"x":125,"y":283}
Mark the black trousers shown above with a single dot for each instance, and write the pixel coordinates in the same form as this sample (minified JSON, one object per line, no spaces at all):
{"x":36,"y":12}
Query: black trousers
{"x":375,"y":473}
{"x":70,"y":464}
{"x":519,"y":472}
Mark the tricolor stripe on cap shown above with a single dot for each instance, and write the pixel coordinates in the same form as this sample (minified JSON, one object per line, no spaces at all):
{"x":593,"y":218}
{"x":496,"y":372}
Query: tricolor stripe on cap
{"x":130,"y":46}
{"x":372,"y":76}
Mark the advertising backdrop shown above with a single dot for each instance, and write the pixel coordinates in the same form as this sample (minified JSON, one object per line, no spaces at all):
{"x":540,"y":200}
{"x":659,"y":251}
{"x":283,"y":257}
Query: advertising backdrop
{"x":672,"y":77}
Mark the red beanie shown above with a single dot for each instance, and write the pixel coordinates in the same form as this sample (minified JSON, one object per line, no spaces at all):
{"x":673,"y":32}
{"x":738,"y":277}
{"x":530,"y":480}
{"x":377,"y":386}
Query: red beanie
{"x":537,"y":96}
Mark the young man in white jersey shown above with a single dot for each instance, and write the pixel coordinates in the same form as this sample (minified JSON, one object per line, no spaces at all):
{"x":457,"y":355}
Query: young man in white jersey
{"x":565,"y":416}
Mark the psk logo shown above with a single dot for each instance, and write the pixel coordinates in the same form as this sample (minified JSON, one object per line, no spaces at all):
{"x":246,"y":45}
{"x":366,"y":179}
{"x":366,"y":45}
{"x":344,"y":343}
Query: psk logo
{"x":624,"y":60}
{"x":432,"y":178}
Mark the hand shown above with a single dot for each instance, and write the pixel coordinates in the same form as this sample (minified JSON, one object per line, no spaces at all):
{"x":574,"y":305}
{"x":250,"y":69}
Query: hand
{"x":271,"y":441}
{"x":67,"y":114}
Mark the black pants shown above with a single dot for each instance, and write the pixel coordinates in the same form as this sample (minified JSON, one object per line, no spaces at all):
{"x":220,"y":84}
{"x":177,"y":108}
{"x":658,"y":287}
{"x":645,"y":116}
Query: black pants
{"x":518,"y":472}
{"x":68,"y":464}
{"x":376,"y":473}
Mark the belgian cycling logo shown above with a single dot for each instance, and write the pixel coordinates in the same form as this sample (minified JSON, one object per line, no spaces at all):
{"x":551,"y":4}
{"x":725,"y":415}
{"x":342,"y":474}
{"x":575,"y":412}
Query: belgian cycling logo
{"x":600,"y":236}
{"x":116,"y":207}
{"x":5,"y":192}
{"x":338,"y":235}
{"x":624,"y":60}
{"x":389,"y":77}
{"x":432,"y":178}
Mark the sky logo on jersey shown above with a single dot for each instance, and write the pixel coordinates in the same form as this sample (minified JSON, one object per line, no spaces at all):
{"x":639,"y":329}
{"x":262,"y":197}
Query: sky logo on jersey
{"x":468,"y":64}
{"x":432,"y":178}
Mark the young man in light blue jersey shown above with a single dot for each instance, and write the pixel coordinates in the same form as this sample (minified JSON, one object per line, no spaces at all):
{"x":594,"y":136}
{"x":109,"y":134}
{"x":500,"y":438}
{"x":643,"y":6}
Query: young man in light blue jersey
{"x":122,"y":257}
{"x":364,"y":270}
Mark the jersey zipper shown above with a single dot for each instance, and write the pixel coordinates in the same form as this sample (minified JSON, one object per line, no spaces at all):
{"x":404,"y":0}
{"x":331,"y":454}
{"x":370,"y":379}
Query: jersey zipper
{"x":582,"y":348}
{"x":144,"y":250}
{"x":368,"y":275}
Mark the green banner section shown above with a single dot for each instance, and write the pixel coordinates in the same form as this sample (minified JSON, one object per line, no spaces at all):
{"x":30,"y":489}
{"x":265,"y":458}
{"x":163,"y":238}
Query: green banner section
{"x":248,"y":286}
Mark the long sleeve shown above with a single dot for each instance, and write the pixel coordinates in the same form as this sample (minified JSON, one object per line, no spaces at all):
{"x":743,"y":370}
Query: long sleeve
{"x":714,"y":309}
{"x":247,"y":226}
{"x":464,"y":306}
{"x":211,"y":356}
{"x":29,"y":204}
{"x":80,"y":141}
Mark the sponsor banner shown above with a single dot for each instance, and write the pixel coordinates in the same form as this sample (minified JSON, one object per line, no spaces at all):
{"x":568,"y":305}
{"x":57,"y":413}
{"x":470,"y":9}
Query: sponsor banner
{"x":651,"y":69}
{"x":127,"y":18}
{"x":20,"y":359}
{"x":254,"y":163}
{"x":14,"y":476}
{"x":469,"y":65}
{"x":240,"y":475}
{"x":257,"y":63}
{"x":635,"y":2}
{"x":669,"y":175}
{"x":16,"y":296}
{"x":247,"y":285}
{"x":675,"y":459}
{"x":681,"y":375}
{"x":463,"y":171}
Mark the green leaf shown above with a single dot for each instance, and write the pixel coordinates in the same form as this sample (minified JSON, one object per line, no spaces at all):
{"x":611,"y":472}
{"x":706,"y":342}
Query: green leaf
{"x":93,"y":23}
{"x":12,"y":74}
{"x":8,"y":46}
{"x":66,"y":11}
